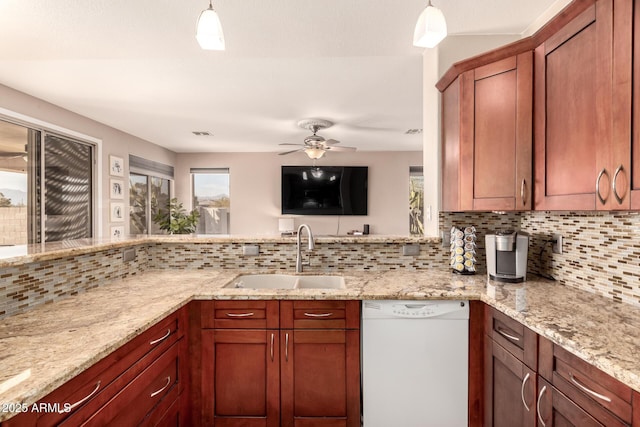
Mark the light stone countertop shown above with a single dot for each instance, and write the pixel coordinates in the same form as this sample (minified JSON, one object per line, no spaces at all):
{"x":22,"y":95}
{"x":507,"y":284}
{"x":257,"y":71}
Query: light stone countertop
{"x":11,"y":256}
{"x":60,"y":340}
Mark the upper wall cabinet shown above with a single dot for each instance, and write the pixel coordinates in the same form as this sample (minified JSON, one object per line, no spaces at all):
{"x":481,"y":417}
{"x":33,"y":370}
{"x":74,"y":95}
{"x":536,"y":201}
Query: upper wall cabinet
{"x":574,"y":148}
{"x":626,"y":105}
{"x":486,"y":130}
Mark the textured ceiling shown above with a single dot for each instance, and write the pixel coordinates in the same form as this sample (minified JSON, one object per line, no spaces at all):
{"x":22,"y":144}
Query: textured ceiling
{"x":136,"y":66}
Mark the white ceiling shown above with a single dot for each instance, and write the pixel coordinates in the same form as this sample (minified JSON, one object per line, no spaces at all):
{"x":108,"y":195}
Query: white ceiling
{"x":135,"y":65}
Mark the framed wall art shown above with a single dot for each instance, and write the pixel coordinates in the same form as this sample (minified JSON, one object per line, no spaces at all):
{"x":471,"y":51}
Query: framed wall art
{"x":116,"y":211}
{"x":116,"y":189}
{"x":116,"y":166}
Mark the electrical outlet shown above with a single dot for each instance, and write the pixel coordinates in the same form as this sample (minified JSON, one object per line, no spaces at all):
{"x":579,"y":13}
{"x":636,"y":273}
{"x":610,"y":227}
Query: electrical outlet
{"x":129,"y":255}
{"x":250,"y":250}
{"x":556,"y":246}
{"x":446,"y":238}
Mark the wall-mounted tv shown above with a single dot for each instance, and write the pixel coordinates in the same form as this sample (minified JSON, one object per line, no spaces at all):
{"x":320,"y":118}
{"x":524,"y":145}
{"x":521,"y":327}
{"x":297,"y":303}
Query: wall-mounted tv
{"x":324,"y":190}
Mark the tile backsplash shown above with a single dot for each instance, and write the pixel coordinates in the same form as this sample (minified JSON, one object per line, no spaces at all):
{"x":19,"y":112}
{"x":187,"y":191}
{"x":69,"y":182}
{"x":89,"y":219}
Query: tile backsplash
{"x":601,"y":254}
{"x":601,"y":250}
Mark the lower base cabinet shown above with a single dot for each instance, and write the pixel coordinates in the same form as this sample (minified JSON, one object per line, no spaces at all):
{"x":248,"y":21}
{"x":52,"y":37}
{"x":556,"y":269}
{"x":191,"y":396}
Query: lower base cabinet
{"x":306,"y":375}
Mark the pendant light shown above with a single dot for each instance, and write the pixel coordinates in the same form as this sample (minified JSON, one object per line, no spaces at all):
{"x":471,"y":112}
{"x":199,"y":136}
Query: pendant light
{"x":209,"y":30}
{"x":431,"y":27}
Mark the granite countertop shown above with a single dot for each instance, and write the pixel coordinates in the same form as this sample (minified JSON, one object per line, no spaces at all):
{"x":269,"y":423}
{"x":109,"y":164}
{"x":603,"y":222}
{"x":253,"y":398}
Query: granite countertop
{"x":21,"y":254}
{"x":52,"y":343}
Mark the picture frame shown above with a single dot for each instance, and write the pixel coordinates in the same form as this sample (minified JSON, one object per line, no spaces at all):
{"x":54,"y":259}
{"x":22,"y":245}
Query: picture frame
{"x":117,"y":232}
{"x":116,"y":165}
{"x":116,"y":212}
{"x":116,"y":189}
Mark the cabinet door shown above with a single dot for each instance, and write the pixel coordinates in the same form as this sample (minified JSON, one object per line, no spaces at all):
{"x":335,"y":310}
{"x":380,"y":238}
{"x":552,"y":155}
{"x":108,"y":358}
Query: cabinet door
{"x":240,"y":378}
{"x":573,"y":113}
{"x":510,"y":389}
{"x":496,"y":135}
{"x":556,"y":410}
{"x":487,"y":137}
{"x":320,"y":378}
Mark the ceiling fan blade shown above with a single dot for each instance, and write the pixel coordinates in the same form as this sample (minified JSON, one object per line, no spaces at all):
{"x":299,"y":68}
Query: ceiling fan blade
{"x":331,"y":142}
{"x":340,"y":148}
{"x":290,"y":143}
{"x":289,"y":152}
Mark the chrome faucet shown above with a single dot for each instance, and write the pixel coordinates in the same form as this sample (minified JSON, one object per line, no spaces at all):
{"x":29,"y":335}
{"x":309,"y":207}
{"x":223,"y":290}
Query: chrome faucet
{"x":312,"y":246}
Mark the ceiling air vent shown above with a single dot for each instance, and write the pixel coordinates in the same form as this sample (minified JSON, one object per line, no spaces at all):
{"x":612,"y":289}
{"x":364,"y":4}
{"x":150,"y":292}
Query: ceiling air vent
{"x":413,"y":131}
{"x":201,"y":133}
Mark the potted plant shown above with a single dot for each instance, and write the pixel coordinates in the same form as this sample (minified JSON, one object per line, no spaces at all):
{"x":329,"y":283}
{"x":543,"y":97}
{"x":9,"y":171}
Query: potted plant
{"x":175,"y":220}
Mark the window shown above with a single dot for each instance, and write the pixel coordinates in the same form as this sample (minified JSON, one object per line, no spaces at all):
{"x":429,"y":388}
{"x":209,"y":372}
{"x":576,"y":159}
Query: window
{"x":46,"y":186}
{"x":149,"y":191}
{"x":416,"y":201}
{"x":211,"y":199}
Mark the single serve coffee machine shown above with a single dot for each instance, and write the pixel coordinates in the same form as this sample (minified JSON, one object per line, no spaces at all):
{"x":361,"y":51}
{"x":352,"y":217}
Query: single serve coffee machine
{"x":507,"y":256}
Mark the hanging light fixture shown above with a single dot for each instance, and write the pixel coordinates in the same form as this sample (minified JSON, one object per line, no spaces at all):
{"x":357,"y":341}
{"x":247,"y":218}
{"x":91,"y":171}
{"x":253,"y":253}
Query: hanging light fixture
{"x":431,"y":27}
{"x":314,"y":152}
{"x":209,"y":30}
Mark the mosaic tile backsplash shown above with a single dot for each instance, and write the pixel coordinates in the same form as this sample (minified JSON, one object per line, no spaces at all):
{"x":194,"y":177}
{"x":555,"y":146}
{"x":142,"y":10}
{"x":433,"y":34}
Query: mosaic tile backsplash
{"x":601,"y":250}
{"x":601,"y":254}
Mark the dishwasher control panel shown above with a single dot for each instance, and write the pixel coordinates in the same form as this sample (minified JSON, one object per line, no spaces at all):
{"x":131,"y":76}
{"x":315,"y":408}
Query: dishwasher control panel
{"x":415,"y":309}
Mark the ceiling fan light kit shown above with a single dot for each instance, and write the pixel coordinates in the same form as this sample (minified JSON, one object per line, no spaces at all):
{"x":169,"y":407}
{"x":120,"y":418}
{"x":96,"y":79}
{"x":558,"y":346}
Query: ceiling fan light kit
{"x":209,"y":30}
{"x":431,"y":27}
{"x":315,"y":146}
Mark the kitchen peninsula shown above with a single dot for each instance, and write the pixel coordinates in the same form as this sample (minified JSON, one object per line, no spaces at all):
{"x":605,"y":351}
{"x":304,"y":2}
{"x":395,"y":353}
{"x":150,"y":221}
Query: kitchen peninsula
{"x":57,"y":341}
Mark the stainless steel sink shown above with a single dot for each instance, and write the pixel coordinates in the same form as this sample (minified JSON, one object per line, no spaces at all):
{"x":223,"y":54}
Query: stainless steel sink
{"x":286,"y":281}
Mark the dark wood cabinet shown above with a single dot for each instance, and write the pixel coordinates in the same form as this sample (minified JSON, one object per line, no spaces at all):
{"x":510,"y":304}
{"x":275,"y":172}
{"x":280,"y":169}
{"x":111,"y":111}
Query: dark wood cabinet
{"x":301,"y":368}
{"x":240,"y":377}
{"x":604,"y":398}
{"x":320,"y":363}
{"x":573,"y":113}
{"x":487,"y":137}
{"x":510,"y":378}
{"x":556,"y":410}
{"x":510,"y":389}
{"x":626,"y":106}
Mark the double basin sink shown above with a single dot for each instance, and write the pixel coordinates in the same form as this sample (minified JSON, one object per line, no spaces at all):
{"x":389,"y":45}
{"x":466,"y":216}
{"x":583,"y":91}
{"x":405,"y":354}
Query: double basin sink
{"x":286,"y":281}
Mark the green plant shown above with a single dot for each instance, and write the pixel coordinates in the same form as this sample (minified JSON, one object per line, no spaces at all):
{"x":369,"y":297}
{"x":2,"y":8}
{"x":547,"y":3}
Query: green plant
{"x":175,"y":220}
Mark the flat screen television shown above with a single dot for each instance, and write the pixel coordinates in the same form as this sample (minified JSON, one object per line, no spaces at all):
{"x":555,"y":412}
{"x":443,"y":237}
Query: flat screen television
{"x":324,"y":190}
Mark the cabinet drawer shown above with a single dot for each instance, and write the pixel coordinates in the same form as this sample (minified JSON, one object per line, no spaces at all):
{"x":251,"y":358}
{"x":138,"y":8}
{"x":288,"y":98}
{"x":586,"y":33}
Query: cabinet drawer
{"x":320,"y":314}
{"x":134,"y":401}
{"x":99,"y":383}
{"x":519,"y":340}
{"x":240,"y":314}
{"x":602,"y":396}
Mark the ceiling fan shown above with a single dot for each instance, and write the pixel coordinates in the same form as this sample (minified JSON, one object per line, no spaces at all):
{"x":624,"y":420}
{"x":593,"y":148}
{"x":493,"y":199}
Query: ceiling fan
{"x":315,"y":146}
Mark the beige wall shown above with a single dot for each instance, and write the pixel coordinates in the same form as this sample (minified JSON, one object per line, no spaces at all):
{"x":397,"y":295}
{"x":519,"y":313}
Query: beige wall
{"x":15,"y":104}
{"x":255,"y":189}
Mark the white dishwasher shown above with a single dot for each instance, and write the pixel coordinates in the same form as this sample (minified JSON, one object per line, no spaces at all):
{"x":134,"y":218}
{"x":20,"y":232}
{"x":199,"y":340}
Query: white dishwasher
{"x":415,"y":363}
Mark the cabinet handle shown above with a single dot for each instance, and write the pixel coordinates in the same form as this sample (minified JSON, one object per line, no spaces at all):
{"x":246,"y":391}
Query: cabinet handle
{"x":615,"y":191}
{"x":240,"y":314}
{"x":157,"y":392}
{"x":507,"y":335}
{"x":81,"y":401}
{"x":154,"y":342}
{"x":602,"y":172}
{"x":588,"y":390}
{"x":524,"y":381}
{"x":272,"y":347}
{"x":523,"y":194}
{"x":286,"y":347}
{"x":318,"y":315}
{"x":544,"y":388}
